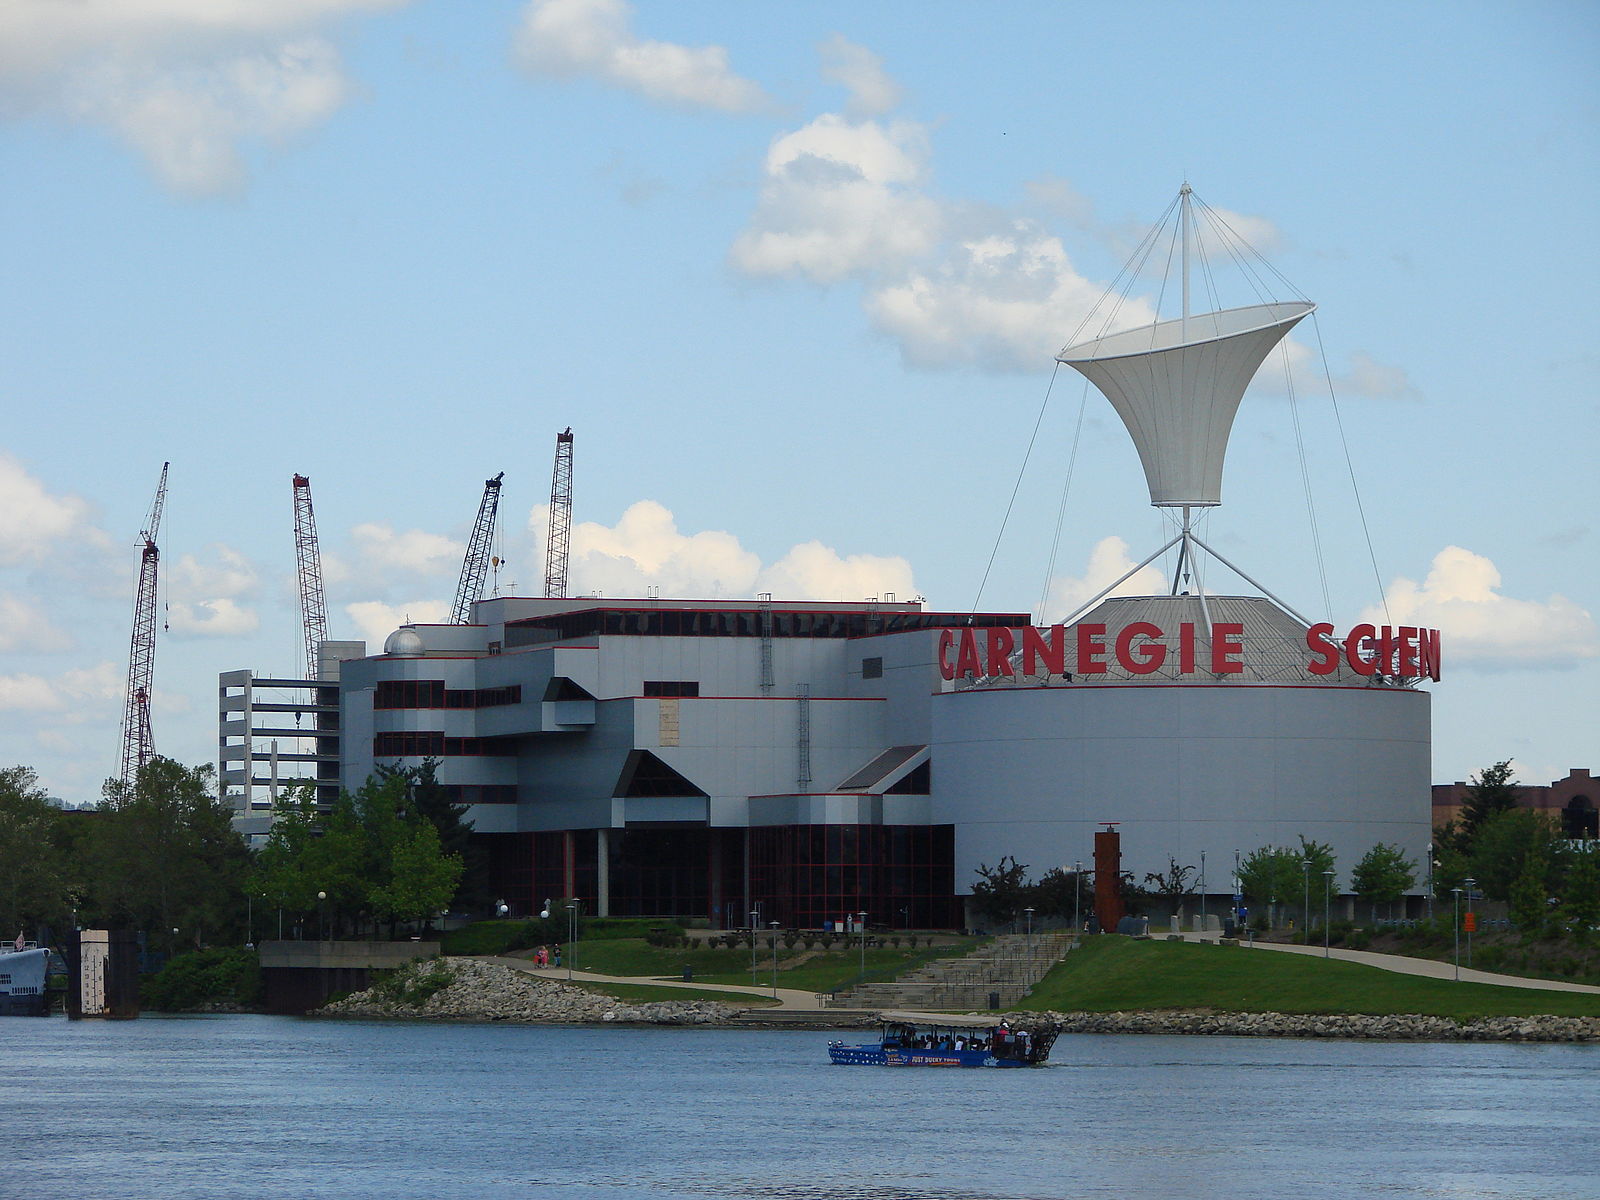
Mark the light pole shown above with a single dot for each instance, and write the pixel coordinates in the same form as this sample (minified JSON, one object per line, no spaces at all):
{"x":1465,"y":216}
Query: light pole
{"x":1305,"y":902}
{"x":1431,"y":866}
{"x":1077,"y":895}
{"x":1472,"y":885}
{"x":501,"y":909}
{"x":1455,"y":893}
{"x":1238,"y":891}
{"x":755,"y":915}
{"x":1029,"y":911}
{"x":861,"y":924}
{"x":1202,"y":893}
{"x":774,"y":925}
{"x":322,"y":914}
{"x":572,"y":936}
{"x":1327,"y":888}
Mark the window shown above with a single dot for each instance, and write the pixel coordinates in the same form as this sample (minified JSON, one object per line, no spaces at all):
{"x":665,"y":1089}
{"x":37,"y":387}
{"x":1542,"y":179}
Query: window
{"x":409,"y":693}
{"x":872,"y":668}
{"x":671,"y":688}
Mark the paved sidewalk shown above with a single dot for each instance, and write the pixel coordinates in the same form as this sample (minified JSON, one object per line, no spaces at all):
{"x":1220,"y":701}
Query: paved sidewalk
{"x":1400,"y":964}
{"x":789,"y":999}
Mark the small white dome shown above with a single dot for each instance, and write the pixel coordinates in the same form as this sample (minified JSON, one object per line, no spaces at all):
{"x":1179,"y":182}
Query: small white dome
{"x":404,"y":642}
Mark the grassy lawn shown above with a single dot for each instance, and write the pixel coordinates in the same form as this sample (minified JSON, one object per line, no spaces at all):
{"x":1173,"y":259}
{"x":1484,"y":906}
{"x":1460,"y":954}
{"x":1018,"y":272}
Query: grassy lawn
{"x":1118,"y":974}
{"x":644,"y":993}
{"x":823,"y":972}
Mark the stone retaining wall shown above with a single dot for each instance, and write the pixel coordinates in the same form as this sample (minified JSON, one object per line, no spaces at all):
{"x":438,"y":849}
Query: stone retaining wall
{"x":1399,"y":1027}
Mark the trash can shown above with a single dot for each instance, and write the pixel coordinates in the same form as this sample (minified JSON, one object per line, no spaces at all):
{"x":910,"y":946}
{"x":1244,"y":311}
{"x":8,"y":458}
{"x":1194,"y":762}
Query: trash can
{"x":994,"y":1001}
{"x":688,"y":974}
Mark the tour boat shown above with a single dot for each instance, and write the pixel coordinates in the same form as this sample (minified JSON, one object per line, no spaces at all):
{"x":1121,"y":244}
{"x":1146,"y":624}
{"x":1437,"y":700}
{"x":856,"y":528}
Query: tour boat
{"x":940,"y":1040}
{"x":22,"y":980}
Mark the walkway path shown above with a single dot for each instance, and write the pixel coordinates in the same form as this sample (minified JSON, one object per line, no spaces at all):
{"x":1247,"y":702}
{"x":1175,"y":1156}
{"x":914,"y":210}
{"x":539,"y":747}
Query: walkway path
{"x":1400,"y":964}
{"x":788,"y":998}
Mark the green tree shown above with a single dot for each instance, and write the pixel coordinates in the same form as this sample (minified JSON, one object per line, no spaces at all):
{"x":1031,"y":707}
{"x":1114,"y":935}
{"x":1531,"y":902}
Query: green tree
{"x":1529,"y":898}
{"x":1580,"y":893}
{"x":1173,"y":885}
{"x":422,"y":878}
{"x":1270,"y":875}
{"x":35,"y":878}
{"x":164,"y":856}
{"x":1060,"y":892}
{"x":1501,"y":848}
{"x":431,"y":800}
{"x":1492,"y":791}
{"x":1383,"y":875}
{"x":1002,"y":892}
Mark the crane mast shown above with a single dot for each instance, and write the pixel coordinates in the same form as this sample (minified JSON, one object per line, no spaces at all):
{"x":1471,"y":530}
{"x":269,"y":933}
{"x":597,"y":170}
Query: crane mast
{"x":308,"y":561}
{"x":137,"y":745}
{"x":555,"y":553}
{"x":476,"y":564}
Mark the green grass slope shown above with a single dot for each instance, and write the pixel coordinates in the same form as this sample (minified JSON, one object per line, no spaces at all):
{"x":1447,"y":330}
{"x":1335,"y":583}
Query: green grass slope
{"x":1111,"y":974}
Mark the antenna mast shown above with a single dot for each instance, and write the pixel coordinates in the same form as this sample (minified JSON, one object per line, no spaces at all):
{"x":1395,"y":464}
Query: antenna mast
{"x":137,"y":745}
{"x":308,"y":560}
{"x":555,"y":554}
{"x":476,"y":563}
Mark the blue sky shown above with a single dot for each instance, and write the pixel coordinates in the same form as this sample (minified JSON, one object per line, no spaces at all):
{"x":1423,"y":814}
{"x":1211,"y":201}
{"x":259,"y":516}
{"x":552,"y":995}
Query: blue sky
{"x":795,"y":275}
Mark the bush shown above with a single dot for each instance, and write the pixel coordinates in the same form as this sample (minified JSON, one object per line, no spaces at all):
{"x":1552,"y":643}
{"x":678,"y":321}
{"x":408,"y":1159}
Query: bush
{"x":665,"y":936}
{"x":202,"y":978}
{"x":414,"y":983}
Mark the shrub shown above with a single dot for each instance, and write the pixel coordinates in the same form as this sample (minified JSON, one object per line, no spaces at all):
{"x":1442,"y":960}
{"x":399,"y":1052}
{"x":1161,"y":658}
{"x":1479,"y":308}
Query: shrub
{"x":413,"y":983}
{"x":664,"y":936}
{"x":204,"y":977}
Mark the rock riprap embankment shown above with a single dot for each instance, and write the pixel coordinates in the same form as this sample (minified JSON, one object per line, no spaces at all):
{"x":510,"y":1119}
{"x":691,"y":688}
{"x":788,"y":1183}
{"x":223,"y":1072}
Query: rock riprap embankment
{"x":464,"y":989}
{"x":1396,"y":1028}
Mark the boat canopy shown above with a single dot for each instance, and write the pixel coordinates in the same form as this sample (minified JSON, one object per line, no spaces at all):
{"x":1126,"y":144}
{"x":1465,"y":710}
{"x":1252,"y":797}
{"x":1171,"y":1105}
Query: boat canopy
{"x":944,"y":1020}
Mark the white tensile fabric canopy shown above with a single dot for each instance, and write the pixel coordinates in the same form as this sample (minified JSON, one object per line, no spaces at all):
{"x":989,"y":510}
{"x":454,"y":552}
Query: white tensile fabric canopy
{"x":1177,"y":385}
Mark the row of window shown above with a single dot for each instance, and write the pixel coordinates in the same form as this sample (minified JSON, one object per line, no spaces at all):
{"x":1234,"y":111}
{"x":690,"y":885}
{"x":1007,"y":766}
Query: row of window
{"x":431,"y":693}
{"x":673,"y":622}
{"x":683,"y":688}
{"x":481,"y":793}
{"x":430,"y":743}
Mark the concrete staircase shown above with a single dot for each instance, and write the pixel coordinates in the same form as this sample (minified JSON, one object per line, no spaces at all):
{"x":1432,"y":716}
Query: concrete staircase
{"x":1009,"y":965}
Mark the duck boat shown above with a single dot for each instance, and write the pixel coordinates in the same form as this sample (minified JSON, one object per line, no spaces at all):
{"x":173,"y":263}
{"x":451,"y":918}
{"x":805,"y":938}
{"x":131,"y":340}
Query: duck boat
{"x":911,"y":1039}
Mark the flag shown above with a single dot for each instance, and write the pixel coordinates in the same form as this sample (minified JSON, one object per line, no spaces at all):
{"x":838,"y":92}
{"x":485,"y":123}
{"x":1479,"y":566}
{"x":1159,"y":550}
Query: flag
{"x":20,"y":942}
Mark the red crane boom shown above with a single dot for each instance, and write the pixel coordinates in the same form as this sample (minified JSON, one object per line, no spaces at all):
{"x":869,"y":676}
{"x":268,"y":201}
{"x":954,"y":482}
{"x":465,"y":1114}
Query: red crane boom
{"x":555,"y":551}
{"x":308,"y":561}
{"x":137,"y":744}
{"x":476,"y":564}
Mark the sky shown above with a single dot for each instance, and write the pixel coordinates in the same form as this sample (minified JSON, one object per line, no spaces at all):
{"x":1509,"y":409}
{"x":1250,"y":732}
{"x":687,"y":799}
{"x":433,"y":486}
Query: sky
{"x":796,"y":276}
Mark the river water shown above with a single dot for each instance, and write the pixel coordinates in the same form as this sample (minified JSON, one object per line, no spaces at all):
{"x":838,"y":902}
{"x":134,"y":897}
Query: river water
{"x":250,"y":1106}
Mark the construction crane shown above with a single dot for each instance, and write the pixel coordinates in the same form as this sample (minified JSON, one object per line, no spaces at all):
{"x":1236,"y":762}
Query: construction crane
{"x":555,"y":551}
{"x":476,"y":564}
{"x":137,"y":746}
{"x":308,"y":560}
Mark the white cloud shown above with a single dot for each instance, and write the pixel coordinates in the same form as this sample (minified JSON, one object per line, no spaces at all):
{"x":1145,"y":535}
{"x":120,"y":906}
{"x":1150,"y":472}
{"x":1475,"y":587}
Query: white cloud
{"x":25,"y":628}
{"x":840,"y":199}
{"x":569,"y":38}
{"x":82,"y":686}
{"x":229,"y":573}
{"x":1108,"y":561}
{"x":415,"y":552}
{"x":1460,"y":597}
{"x":377,"y":620}
{"x":646,"y":549}
{"x":861,"y":72}
{"x":33,"y":521}
{"x":185,"y":82}
{"x":219,"y":617}
{"x":28,"y":693}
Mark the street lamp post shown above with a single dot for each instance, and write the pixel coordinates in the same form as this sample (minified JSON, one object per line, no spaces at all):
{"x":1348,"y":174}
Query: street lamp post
{"x":1472,"y":885}
{"x":774,"y":925}
{"x":322,"y":914}
{"x":1431,"y":866}
{"x":1305,"y":900}
{"x":572,"y":936}
{"x":1029,"y":911}
{"x":1077,"y":896}
{"x":1202,"y":893}
{"x":1455,"y":894}
{"x":861,"y":924}
{"x":755,"y":915}
{"x":1327,"y":888}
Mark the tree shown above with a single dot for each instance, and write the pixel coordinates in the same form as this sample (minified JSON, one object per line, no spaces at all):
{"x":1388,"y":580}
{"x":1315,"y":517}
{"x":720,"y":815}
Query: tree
{"x":1063,"y":893}
{"x":431,"y":800}
{"x":1530,"y":907}
{"x":422,"y":878}
{"x":1002,"y":891}
{"x":1492,"y":791}
{"x":1173,"y":884}
{"x":1501,"y":848}
{"x":1271,"y":875}
{"x":164,"y":856}
{"x":1383,"y":875}
{"x":1580,"y":893}
{"x":35,"y":883}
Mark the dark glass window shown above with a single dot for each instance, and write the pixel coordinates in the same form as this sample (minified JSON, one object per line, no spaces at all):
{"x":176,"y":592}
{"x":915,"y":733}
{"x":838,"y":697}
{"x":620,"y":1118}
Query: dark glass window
{"x":872,"y":668}
{"x":683,"y":688}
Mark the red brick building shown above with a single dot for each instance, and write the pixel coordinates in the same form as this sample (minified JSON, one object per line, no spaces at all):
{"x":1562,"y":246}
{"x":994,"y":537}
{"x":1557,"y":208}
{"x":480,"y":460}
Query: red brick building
{"x":1573,"y":801}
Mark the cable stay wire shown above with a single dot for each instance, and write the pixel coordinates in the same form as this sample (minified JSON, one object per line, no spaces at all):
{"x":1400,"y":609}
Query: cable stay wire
{"x":1305,"y":480}
{"x":1061,"y":509}
{"x":1372,"y":555}
{"x":1015,"y":488}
